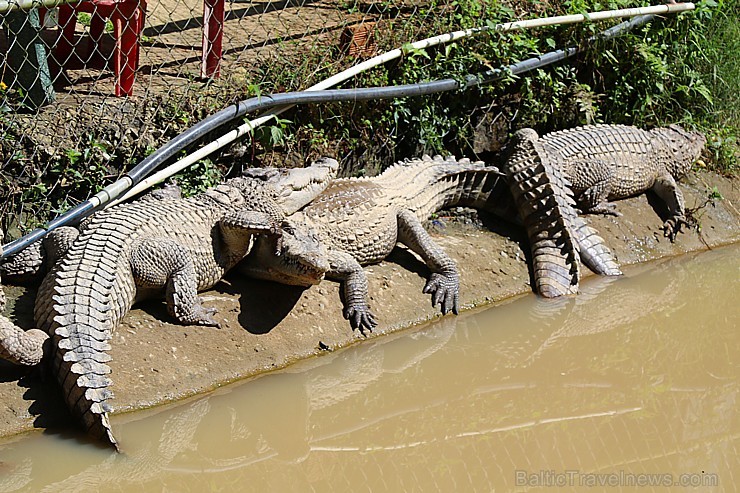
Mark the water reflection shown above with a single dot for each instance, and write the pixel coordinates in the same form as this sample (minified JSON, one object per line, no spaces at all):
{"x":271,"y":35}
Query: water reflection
{"x":637,"y":375}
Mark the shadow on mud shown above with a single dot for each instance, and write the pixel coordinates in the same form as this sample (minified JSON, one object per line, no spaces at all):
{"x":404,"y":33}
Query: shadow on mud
{"x":262,"y":304}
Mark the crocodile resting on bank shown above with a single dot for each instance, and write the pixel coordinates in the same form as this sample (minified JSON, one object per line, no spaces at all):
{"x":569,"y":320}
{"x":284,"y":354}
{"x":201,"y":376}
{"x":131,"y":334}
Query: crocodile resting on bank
{"x":358,"y":221}
{"x":31,"y":264}
{"x":610,"y":162}
{"x":139,"y":250}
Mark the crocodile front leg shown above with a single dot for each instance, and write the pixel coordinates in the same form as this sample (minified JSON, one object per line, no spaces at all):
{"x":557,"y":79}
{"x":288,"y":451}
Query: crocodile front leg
{"x":344,"y":268}
{"x":238,"y":227}
{"x":444,"y":282}
{"x":161,"y":262}
{"x":666,"y":188}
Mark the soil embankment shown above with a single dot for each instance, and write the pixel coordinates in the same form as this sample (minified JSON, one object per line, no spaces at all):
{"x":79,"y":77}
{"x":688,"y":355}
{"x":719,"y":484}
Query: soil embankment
{"x":267,"y":326}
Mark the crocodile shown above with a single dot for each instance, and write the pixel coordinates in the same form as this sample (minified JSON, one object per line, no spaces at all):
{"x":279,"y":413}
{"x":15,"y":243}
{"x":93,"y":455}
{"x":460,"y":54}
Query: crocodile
{"x":358,"y":221}
{"x":142,"y":249}
{"x":558,"y":237}
{"x":610,"y":162}
{"x":30,"y":265}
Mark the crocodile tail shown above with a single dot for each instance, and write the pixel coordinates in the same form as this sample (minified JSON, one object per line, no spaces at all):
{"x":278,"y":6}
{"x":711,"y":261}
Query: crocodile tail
{"x":478,"y":186}
{"x":83,"y":377}
{"x":21,"y":347}
{"x":428,"y":184}
{"x":79,"y":303}
{"x":594,"y":252}
{"x":547,"y":209}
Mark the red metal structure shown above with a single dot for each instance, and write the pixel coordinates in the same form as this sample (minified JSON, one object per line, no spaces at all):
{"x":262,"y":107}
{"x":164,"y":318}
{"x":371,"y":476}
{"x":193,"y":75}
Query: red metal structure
{"x":128,"y":18}
{"x":213,"y":33}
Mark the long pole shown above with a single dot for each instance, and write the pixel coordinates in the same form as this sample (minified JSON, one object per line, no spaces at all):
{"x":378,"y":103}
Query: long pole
{"x":249,"y":126}
{"x":280,"y":101}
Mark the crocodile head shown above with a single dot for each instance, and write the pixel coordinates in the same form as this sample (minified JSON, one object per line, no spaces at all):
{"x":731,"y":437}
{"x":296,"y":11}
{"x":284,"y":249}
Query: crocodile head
{"x":297,"y":258}
{"x":296,"y":187}
{"x":684,"y":146}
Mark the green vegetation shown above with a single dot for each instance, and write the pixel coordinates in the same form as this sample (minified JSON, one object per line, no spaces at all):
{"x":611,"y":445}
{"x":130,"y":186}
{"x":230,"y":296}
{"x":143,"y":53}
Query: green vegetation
{"x":681,"y":69}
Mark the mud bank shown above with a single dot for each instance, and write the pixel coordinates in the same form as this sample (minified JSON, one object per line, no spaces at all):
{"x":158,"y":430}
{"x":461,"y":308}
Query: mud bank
{"x":267,"y":326}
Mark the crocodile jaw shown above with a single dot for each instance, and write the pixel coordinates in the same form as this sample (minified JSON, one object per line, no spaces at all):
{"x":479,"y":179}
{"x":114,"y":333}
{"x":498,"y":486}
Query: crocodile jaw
{"x":301,"y":260}
{"x":296,"y":187}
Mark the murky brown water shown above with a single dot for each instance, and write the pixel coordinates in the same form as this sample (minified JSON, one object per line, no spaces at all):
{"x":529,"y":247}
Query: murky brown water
{"x":635,"y":381}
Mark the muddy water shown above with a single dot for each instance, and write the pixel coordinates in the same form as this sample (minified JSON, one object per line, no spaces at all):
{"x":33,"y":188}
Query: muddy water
{"x":634,"y":382}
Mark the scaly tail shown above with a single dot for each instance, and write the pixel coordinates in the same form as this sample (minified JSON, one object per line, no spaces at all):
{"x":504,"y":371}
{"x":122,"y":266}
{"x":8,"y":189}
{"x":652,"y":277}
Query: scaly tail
{"x":82,"y":375}
{"x":594,"y":252}
{"x":74,"y":305}
{"x":21,"y":347}
{"x":16,"y":345}
{"x":547,"y":211}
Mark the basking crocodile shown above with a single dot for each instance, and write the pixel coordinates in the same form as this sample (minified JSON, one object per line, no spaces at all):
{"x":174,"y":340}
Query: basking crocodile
{"x":557,"y":236}
{"x":138,"y":250}
{"x":609,"y":162}
{"x":358,"y":221}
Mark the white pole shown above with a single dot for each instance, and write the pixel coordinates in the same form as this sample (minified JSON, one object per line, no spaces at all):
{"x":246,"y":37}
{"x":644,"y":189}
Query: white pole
{"x":231,"y":136}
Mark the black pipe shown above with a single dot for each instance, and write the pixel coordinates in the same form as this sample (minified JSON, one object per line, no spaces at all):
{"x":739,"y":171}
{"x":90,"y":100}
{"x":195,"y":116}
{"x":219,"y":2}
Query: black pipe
{"x":236,"y":111}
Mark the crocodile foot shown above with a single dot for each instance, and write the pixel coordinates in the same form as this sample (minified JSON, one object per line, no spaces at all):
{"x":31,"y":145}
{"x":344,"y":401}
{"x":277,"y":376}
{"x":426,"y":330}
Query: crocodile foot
{"x":673,"y":226}
{"x":604,"y":208}
{"x":361,"y":318}
{"x":204,"y":316}
{"x":444,"y":288}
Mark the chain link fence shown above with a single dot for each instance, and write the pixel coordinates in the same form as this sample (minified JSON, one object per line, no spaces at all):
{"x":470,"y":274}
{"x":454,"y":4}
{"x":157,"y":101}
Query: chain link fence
{"x":88,"y":89}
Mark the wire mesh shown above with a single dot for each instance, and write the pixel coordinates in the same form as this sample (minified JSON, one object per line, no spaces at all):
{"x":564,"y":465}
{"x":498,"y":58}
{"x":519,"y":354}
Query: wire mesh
{"x":88,"y":88}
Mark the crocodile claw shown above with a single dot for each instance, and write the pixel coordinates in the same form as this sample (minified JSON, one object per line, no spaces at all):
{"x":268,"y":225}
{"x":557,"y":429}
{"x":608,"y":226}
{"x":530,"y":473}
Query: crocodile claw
{"x":605,"y":209}
{"x":444,"y":289}
{"x":361,"y":318}
{"x":673,"y":226}
{"x":204,"y":316}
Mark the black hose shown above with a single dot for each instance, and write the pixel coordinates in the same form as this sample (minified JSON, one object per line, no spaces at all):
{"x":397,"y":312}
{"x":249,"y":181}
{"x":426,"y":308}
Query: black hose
{"x":270,"y":101}
{"x":236,"y":111}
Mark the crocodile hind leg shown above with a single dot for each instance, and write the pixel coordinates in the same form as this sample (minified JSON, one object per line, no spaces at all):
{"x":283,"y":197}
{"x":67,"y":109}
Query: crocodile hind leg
{"x":158,"y":263}
{"x":591,"y":183}
{"x":34,"y":261}
{"x":344,"y":268}
{"x":666,"y":188}
{"x":444,"y":282}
